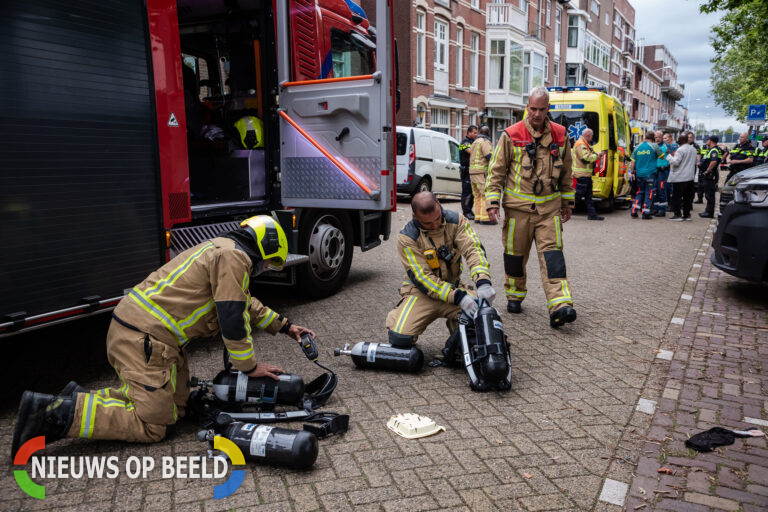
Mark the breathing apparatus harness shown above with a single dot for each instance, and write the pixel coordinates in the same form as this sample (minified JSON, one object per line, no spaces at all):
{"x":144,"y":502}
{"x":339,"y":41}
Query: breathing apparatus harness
{"x":215,"y":413}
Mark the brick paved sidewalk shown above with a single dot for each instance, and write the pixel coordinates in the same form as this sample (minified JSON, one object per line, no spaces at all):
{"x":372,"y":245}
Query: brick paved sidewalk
{"x":716,"y":378}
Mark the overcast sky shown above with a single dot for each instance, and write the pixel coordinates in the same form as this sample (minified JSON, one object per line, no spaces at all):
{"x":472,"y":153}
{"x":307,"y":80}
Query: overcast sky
{"x":679,"y":26}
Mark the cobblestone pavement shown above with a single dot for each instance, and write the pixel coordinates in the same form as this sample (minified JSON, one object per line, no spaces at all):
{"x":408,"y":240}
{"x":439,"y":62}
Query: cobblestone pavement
{"x":568,"y":424}
{"x":716,"y":378}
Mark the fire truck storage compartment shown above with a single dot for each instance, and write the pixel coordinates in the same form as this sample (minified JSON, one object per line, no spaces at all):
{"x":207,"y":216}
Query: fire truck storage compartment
{"x":224,"y":76}
{"x":80,"y":211}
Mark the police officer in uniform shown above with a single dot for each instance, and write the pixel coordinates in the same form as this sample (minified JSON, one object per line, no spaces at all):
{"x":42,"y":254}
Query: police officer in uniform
{"x":431,"y":247}
{"x":479,"y":156}
{"x":741,"y":157}
{"x":531,"y":168}
{"x":709,"y":174}
{"x":761,"y":153}
{"x":201,"y":292}
{"x":583,"y":167}
{"x":467,"y":197}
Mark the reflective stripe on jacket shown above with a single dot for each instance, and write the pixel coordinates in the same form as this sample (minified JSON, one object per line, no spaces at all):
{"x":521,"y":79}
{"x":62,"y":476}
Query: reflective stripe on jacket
{"x":583,"y":159}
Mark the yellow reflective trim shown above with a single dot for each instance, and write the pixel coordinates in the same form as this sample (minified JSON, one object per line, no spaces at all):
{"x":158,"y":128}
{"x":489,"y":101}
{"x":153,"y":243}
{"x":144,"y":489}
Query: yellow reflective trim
{"x":240,"y":355}
{"x":478,"y":246}
{"x":569,"y":195}
{"x":566,"y":297}
{"x":444,"y":291}
{"x":423,"y":278}
{"x":511,"y":236}
{"x":246,"y":281}
{"x":153,"y":309}
{"x":558,"y":233}
{"x":196,"y":314}
{"x":177,"y":272}
{"x":513,"y":290}
{"x":173,"y":377}
{"x":518,"y":167}
{"x":267,"y":320}
{"x":532,"y":198}
{"x":84,"y":418}
{"x":405,"y":312}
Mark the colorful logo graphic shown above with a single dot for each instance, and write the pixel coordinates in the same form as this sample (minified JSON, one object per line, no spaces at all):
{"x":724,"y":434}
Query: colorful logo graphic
{"x":575,"y":130}
{"x":235,"y":480}
{"x":22,"y":477}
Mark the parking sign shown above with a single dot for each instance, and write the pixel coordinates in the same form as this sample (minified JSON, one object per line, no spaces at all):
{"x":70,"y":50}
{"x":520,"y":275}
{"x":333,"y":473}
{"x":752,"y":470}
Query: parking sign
{"x":756,"y":114}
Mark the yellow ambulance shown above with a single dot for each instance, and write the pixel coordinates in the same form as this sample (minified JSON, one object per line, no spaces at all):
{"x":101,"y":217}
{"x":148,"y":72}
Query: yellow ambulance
{"x":578,"y":108}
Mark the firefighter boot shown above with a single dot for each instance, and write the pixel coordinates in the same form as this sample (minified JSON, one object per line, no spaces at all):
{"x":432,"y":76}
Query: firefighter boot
{"x":42,"y":415}
{"x":72,"y":389}
{"x":514,"y":306}
{"x":562,"y":316}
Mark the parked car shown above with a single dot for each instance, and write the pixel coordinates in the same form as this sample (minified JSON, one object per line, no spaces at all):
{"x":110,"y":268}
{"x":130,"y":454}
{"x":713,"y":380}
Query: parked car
{"x":741,"y":238}
{"x":427,"y":160}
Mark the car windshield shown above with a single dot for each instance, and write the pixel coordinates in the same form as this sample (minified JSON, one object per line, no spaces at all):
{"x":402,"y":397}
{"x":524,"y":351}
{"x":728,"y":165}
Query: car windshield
{"x":576,"y":121}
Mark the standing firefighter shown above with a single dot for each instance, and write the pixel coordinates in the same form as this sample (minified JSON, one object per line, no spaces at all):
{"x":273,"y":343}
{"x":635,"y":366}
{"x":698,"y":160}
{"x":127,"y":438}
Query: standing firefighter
{"x":431,"y":247}
{"x":199,"y":293}
{"x":583,"y":165}
{"x":467,"y":197}
{"x":479,"y":156}
{"x":531,"y":167}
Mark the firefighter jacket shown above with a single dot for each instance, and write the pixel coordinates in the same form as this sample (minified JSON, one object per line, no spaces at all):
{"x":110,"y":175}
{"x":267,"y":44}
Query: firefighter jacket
{"x":199,"y":293}
{"x":454,"y":240}
{"x":583,"y":159}
{"x":543,"y":182}
{"x":480,"y":155}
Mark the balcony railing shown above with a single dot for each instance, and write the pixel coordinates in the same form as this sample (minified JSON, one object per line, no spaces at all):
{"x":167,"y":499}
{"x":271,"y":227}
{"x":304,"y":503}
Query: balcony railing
{"x":673,"y":88}
{"x":509,"y":14}
{"x":535,"y":31}
{"x":629,"y":47}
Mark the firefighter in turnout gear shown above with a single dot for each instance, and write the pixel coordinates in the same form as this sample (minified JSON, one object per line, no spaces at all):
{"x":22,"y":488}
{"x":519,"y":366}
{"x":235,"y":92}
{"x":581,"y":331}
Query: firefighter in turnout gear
{"x":583,"y":166}
{"x":431,"y":247}
{"x":198,"y":294}
{"x":479,"y":156}
{"x":531,"y":169}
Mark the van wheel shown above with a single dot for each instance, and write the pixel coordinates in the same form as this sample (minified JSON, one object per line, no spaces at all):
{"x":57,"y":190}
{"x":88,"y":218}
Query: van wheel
{"x":609,"y":204}
{"x":327,"y":238}
{"x":425,"y":185}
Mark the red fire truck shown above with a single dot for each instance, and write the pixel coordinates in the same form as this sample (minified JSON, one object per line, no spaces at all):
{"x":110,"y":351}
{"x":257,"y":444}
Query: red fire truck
{"x":134,"y":130}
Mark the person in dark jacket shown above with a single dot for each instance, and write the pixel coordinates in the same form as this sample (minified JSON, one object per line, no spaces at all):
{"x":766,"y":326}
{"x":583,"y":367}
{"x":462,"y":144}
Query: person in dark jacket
{"x":467,"y":197}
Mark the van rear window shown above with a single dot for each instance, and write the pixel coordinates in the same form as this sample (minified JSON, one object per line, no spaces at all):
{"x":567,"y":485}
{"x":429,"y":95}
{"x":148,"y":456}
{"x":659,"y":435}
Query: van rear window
{"x":402,"y":143}
{"x":576,"y":121}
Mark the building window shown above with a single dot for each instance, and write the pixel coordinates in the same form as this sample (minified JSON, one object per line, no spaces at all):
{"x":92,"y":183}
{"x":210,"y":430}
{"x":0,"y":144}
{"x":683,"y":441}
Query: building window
{"x":558,"y":25}
{"x":515,"y":67}
{"x":496,"y":69}
{"x":533,"y":71}
{"x":472,"y":121}
{"x":546,"y":68}
{"x":549,"y":11}
{"x":615,"y":69}
{"x":459,"y":57}
{"x":575,"y":30}
{"x":474,"y":48}
{"x":444,"y":3}
{"x":457,"y":127}
{"x":617,"y":18}
{"x":572,"y":75}
{"x":441,"y":46}
{"x":616,"y":32}
{"x":421,"y":54}
{"x":440,"y":120}
{"x":596,"y":52}
{"x":556,"y":73}
{"x":595,"y":8}
{"x":475,"y":4}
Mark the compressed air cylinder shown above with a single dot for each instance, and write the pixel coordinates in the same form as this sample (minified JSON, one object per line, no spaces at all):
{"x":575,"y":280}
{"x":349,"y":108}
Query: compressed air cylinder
{"x":383,"y":356}
{"x":271,"y":445}
{"x":490,"y":331}
{"x":233,"y":386}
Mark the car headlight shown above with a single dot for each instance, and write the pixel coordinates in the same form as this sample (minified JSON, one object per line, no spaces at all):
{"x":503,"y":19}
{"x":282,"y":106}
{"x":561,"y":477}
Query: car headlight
{"x":752,"y":192}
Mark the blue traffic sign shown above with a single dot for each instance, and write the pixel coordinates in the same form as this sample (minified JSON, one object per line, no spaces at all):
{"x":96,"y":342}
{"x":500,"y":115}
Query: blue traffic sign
{"x":756,"y":113}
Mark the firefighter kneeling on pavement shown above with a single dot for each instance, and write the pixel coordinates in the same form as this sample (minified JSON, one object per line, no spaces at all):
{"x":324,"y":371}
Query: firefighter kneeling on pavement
{"x":583,"y":164}
{"x":200,"y":293}
{"x":431,"y":247}
{"x":531,"y":168}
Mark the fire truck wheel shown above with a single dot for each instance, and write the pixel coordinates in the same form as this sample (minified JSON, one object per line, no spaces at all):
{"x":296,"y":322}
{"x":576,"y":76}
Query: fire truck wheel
{"x":327,"y":238}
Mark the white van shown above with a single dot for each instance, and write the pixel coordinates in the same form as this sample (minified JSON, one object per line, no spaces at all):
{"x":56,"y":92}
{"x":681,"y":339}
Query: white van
{"x":427,"y":160}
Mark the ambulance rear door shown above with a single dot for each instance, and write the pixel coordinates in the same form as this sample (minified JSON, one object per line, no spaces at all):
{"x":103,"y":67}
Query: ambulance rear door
{"x":337,"y":137}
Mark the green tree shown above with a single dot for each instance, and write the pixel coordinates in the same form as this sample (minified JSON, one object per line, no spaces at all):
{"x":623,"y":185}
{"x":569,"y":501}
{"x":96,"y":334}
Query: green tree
{"x":728,"y":130}
{"x":740,"y":63}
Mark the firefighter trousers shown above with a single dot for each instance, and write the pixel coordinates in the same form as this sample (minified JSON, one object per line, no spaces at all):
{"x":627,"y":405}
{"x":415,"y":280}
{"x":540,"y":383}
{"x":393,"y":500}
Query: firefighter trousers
{"x":478,"y":191}
{"x":416,"y":311}
{"x":153,"y":394}
{"x":521,"y":229}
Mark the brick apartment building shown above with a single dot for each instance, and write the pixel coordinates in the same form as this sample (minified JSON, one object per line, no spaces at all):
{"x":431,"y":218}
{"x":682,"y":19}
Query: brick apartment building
{"x":468,"y":62}
{"x":671,"y":116}
{"x":441,"y":44}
